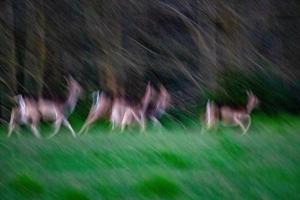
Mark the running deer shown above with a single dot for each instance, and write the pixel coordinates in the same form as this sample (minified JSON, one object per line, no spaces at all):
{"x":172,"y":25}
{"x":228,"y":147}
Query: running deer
{"x":130,"y":113}
{"x":231,"y":115}
{"x":118,"y":110}
{"x":31,"y":112}
{"x":160,"y":102}
{"x":101,"y":107}
{"x":25,"y":113}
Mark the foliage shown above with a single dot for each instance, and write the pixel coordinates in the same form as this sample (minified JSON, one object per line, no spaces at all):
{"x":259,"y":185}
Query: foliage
{"x":275,"y":93}
{"x":117,"y":46}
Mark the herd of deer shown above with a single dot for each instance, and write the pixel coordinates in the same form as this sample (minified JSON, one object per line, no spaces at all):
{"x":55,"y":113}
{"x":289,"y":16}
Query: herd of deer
{"x":119,"y":111}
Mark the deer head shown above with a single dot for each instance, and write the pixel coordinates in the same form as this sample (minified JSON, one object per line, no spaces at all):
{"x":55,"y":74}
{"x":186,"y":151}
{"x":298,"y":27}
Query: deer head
{"x":147,"y":97}
{"x":75,"y":91}
{"x":164,"y":99}
{"x":252,"y":101}
{"x":212,"y":114}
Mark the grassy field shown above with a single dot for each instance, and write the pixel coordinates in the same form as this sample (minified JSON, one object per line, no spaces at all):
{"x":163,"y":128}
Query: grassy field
{"x":173,"y":163}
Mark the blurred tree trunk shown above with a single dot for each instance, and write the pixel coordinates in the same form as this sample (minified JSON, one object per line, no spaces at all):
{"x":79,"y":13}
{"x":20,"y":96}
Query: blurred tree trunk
{"x":113,"y":70}
{"x":54,"y":71}
{"x":34,"y":57}
{"x":7,"y":59}
{"x":208,"y":42}
{"x":134,"y":24}
{"x":104,"y":32}
{"x":19,"y":17}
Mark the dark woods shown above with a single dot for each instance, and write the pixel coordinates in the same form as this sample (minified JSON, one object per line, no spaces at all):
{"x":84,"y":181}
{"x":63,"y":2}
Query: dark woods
{"x":197,"y":49}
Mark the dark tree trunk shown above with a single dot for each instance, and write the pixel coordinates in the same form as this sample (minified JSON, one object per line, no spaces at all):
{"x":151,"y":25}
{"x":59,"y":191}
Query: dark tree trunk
{"x":7,"y":59}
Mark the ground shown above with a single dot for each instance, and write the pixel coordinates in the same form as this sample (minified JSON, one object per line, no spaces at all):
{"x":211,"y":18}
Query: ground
{"x":174,"y":163}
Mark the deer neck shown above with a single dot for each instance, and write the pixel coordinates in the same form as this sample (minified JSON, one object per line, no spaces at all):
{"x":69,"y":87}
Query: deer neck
{"x":250,"y":106}
{"x":22,"y":108}
{"x":71,"y":102}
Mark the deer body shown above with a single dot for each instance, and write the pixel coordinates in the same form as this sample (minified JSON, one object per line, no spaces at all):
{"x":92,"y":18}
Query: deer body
{"x":101,"y":107}
{"x":30,"y":111}
{"x":159,"y":103}
{"x":49,"y":110}
{"x":118,"y":110}
{"x":26,"y":113}
{"x":124,"y":113}
{"x":231,"y":115}
{"x":152,"y":106}
{"x":132,"y":114}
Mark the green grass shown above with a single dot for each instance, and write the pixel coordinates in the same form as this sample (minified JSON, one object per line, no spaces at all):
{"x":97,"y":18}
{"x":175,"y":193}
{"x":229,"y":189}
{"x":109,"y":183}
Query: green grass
{"x":174,"y":163}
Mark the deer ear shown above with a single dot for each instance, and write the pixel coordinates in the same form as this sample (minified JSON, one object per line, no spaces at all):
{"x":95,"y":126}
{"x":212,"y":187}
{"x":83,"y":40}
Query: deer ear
{"x":67,"y":79}
{"x":16,"y":98}
{"x":249,"y":92}
{"x":96,"y":93}
{"x":71,"y":79}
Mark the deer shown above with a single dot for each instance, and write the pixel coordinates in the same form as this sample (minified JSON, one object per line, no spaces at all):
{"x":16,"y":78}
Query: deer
{"x":119,"y":107}
{"x":135,"y":112}
{"x":158,"y":105}
{"x":153,"y":106}
{"x":101,"y":107}
{"x":114,"y":108}
{"x":25,"y":113}
{"x":30,"y":111}
{"x":229,"y":115}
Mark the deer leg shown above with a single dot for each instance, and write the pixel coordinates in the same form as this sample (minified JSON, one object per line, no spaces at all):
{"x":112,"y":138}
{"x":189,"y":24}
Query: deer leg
{"x":140,"y":120}
{"x":125,"y":119}
{"x":35,"y":130}
{"x":238,"y":121}
{"x":123,"y":124}
{"x":155,"y":120}
{"x":123,"y":128}
{"x":12,"y":124}
{"x":91,"y":119}
{"x":157,"y":123}
{"x":68,"y":125}
{"x":248,"y":126}
{"x":112,"y":126}
{"x":143,"y":124}
{"x":57,"y":125}
{"x":112,"y":123}
{"x":85,"y":127}
{"x":11,"y":128}
{"x":14,"y":128}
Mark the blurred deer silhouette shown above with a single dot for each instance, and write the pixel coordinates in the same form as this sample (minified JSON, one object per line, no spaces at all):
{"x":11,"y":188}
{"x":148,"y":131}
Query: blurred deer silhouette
{"x":122,"y":113}
{"x":31,"y":112}
{"x":101,"y":107}
{"x":135,"y":113}
{"x":231,"y":115}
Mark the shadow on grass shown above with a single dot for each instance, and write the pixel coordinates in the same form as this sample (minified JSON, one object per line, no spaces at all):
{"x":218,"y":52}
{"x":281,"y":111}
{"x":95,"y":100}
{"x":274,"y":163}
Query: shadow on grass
{"x":232,"y":147}
{"x":175,"y":160}
{"x":72,"y":194}
{"x":110,"y":191}
{"x":158,"y":185}
{"x":26,"y":186}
